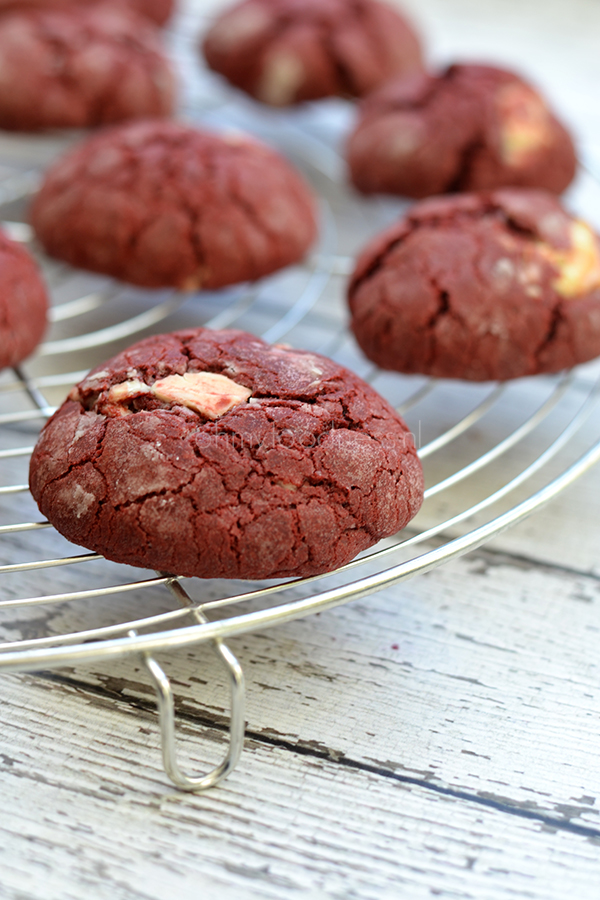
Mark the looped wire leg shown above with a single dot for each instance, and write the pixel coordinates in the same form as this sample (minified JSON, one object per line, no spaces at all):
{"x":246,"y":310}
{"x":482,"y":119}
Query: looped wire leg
{"x":166,"y":712}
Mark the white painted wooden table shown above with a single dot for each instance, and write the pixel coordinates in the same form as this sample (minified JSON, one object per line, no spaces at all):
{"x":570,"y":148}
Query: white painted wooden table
{"x":437,"y":739}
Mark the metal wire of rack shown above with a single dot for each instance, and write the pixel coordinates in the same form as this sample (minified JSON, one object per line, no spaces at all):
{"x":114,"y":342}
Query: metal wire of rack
{"x":492,"y":453}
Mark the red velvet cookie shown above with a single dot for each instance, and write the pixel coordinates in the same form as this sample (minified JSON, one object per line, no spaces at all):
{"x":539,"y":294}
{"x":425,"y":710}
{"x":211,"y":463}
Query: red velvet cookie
{"x":160,"y":203}
{"x":212,"y":454}
{"x":156,"y":10}
{"x":78,"y":68}
{"x":287,"y":51}
{"x":484,"y":286}
{"x":23,"y":303}
{"x":471,"y":128}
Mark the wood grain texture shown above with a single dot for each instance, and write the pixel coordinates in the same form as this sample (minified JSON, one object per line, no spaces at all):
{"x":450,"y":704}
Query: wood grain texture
{"x":92,"y":817}
{"x":480,"y":677}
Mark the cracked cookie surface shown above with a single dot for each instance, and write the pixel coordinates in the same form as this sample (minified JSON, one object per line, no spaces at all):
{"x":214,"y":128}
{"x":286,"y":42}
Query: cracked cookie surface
{"x":23,"y":303}
{"x":301,"y":468}
{"x":473,"y":127}
{"x":494,"y":285}
{"x":287,"y":51}
{"x":161,"y":204}
{"x":80,"y":68}
{"x":158,"y":11}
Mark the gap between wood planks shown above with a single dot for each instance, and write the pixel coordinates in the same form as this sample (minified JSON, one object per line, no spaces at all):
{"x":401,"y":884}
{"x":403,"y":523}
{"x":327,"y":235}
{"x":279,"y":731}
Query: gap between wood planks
{"x":335,"y":757}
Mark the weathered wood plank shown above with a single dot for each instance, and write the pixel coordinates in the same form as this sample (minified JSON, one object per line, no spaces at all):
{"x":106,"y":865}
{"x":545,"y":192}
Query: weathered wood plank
{"x":482,"y":677}
{"x":76,"y":821}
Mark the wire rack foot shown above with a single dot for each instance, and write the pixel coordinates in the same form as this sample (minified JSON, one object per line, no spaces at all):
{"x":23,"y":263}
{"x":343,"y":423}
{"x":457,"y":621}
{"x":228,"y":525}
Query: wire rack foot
{"x":166,"y":713}
{"x":166,"y":709}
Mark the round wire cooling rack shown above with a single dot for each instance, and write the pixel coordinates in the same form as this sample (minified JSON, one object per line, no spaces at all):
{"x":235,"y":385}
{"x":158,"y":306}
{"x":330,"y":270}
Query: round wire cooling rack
{"x":492,"y":454}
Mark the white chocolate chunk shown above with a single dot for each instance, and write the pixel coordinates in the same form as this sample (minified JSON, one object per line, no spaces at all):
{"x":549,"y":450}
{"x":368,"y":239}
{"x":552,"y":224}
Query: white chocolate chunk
{"x":195,"y":281}
{"x":119,"y":393}
{"x":525,"y":123}
{"x":207,"y":393}
{"x":282,"y":77}
{"x":579,"y":266}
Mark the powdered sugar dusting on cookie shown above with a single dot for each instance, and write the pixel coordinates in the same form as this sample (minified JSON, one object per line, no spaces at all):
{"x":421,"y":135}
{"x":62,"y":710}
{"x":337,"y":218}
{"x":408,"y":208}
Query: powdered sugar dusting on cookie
{"x":82,"y":501}
{"x":303,"y":363}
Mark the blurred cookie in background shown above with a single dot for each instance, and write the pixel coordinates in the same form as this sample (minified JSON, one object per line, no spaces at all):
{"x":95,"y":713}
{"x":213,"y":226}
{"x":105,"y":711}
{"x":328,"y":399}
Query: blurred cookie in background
{"x":23,"y":303}
{"x":158,"y":11}
{"x":486,"y":286}
{"x":162,"y":204}
{"x":81,"y":68}
{"x":473,"y":127}
{"x":283,"y":52}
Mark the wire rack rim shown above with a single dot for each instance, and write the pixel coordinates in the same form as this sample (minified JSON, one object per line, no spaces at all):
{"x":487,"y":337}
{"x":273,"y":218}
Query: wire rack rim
{"x":28,"y":661}
{"x":122,"y":588}
{"x":583,"y":413}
